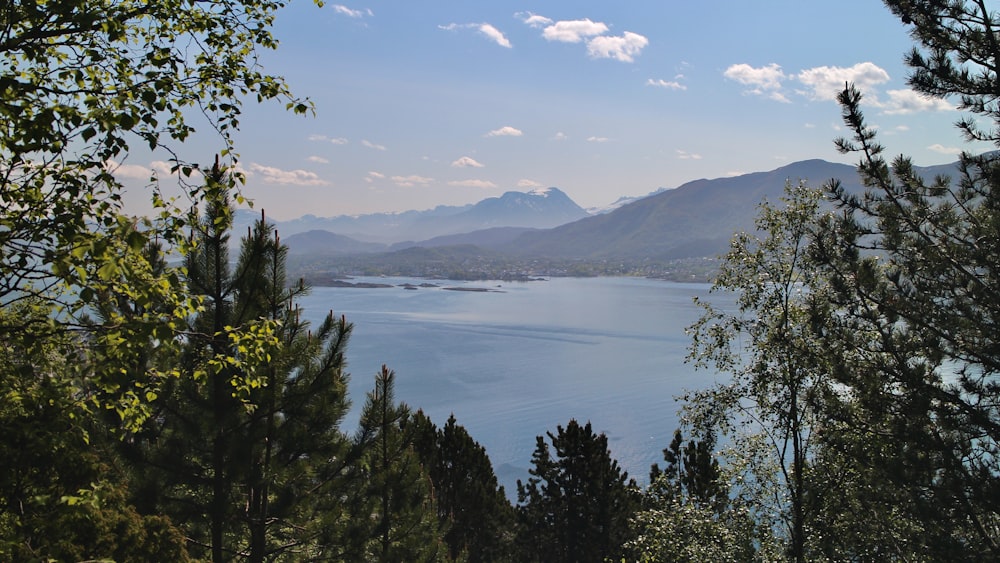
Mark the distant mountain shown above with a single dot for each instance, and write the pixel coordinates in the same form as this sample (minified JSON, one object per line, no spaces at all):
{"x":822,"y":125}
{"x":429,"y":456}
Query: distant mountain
{"x":621,"y":202}
{"x":486,"y":238}
{"x":537,"y":209}
{"x":695,"y":219}
{"x":325,"y":243}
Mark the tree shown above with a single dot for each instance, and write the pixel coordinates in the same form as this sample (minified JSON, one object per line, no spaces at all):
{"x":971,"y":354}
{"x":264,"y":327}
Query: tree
{"x":472,"y":507}
{"x":394,"y":516}
{"x":912,"y":263}
{"x":576,"y":506}
{"x":691,"y":472}
{"x":83,"y":82}
{"x":273,"y":456}
{"x":780,"y":377}
{"x":687,"y":512}
{"x":62,"y":492}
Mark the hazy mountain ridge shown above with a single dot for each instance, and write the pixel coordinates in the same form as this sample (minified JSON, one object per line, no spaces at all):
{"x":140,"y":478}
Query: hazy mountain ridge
{"x":696,"y":219}
{"x":621,"y":202}
{"x":537,"y":209}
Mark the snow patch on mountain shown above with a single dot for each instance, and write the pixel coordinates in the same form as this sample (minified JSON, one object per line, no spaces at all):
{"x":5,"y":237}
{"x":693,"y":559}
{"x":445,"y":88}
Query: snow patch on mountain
{"x":621,"y":202}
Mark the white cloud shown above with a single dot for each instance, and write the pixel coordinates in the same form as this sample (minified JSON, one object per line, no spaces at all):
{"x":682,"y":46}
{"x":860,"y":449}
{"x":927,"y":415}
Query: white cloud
{"x":763,"y":81}
{"x":326,"y":139}
{"x":668,"y":85}
{"x":133,"y":171}
{"x":466,"y":161}
{"x":623,"y":48}
{"x":505,"y":131}
{"x":344,"y":10}
{"x":825,"y":82}
{"x":533,"y":20}
{"x":318,"y":159}
{"x":372,"y":176}
{"x":684,"y":155}
{"x":485,"y":29}
{"x":598,"y":139}
{"x":410,"y":181}
{"x":560,"y":136}
{"x":573,"y":31}
{"x":473,"y":184}
{"x":372,"y":145}
{"x":526,"y":183}
{"x":141,"y":172}
{"x":272,"y":175}
{"x":902,"y":102}
{"x":161,"y":167}
{"x":936,"y":147}
{"x":599,"y":45}
{"x":809,"y":125}
{"x":495,"y":34}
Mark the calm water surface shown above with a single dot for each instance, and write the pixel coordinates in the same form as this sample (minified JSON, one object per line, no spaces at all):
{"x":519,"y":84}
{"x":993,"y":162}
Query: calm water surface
{"x":516,"y":362}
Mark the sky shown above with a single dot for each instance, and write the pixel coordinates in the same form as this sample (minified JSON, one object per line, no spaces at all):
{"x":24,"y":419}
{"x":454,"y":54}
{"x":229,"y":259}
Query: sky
{"x":449,"y":102}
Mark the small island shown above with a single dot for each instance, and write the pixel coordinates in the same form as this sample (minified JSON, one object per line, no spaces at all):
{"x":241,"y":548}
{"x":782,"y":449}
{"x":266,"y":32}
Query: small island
{"x":473,"y":289}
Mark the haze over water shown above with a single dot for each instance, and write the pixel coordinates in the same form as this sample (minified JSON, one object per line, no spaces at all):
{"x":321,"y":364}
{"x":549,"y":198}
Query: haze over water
{"x":516,"y":362}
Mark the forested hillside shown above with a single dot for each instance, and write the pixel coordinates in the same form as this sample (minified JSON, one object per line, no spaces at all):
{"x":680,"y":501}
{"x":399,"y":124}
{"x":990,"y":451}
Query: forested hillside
{"x":156,"y":409}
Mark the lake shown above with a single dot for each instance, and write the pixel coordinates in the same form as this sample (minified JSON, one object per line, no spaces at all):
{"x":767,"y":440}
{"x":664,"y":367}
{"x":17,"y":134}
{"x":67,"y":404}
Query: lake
{"x":517,"y":361}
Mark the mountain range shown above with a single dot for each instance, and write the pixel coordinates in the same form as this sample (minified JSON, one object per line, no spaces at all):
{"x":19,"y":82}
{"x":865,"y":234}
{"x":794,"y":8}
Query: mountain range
{"x":695,"y":219}
{"x":537,"y":209}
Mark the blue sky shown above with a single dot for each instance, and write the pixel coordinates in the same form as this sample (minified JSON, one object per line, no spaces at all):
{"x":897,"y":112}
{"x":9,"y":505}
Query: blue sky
{"x":449,"y":102}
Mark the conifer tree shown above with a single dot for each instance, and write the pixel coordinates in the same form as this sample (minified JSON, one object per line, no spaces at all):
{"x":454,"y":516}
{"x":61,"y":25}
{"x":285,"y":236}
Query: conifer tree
{"x":247,"y":456}
{"x":577,"y":505}
{"x":691,"y":472}
{"x":63,"y":496}
{"x":913,"y":265}
{"x":394,"y":517}
{"x":471,"y":504}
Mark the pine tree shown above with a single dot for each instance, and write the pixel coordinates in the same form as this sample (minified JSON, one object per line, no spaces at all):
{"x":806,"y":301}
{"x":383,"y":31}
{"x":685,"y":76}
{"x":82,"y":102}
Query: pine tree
{"x":576,"y":506}
{"x":691,"y":473}
{"x":913,"y":264}
{"x":245,"y":452}
{"x":394,"y":517}
{"x":63,"y":495}
{"x":471,"y":505}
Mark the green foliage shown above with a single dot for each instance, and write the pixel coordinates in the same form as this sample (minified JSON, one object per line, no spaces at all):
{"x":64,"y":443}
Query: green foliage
{"x":245,"y":450}
{"x":394,"y":517}
{"x":62,"y":494}
{"x":774,"y":348}
{"x":82,"y":83}
{"x":577,"y":505}
{"x":688,"y":515}
{"x":472,"y":507}
{"x":691,"y":473}
{"x":890,"y":345}
{"x":913,"y":266}
{"x":912,"y":263}
{"x":678,"y":531}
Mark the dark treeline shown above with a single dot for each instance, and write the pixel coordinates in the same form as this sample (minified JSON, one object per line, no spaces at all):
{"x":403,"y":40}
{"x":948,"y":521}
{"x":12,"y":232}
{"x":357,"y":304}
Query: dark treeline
{"x":160,"y":410}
